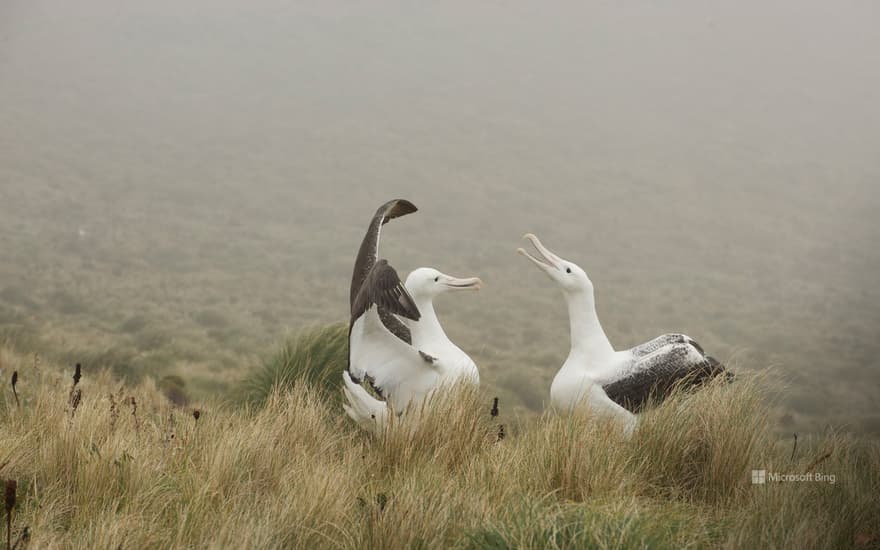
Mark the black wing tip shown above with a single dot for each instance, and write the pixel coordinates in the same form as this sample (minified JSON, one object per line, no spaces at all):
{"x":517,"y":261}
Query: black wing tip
{"x":411,"y":311}
{"x":395,"y":209}
{"x":404,"y":305}
{"x":407,"y":313}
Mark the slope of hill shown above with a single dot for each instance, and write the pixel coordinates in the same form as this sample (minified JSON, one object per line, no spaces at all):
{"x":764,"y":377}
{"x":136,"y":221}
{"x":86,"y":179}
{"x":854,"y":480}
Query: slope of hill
{"x":102,"y":464}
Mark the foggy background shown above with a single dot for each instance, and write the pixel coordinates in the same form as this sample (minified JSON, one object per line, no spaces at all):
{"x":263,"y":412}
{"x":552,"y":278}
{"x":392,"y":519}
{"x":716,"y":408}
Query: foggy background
{"x":182,"y":186}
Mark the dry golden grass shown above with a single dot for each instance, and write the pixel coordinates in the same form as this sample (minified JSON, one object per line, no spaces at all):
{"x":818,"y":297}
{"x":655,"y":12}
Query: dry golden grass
{"x":296,"y":473}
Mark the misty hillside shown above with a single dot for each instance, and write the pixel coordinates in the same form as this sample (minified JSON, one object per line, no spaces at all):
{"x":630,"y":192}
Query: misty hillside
{"x":182,"y":187}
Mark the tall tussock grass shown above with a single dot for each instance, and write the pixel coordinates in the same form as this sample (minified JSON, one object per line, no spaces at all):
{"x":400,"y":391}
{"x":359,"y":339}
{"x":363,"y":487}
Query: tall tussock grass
{"x":451,"y":428}
{"x":700,"y":445}
{"x":315,"y":356}
{"x":294,"y":472}
{"x":677,"y":452}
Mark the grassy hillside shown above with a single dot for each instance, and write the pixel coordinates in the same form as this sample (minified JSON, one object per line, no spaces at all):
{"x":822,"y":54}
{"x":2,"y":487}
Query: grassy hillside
{"x":296,"y":473}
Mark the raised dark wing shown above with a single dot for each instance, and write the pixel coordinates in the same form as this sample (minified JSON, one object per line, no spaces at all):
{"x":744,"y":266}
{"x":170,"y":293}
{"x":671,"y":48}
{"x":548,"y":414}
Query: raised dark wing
{"x":384,"y":288}
{"x":368,"y":254}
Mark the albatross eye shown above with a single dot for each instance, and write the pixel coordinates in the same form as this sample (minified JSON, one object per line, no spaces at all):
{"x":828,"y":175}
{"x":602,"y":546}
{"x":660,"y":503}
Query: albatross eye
{"x":436,"y":279}
{"x":568,"y":270}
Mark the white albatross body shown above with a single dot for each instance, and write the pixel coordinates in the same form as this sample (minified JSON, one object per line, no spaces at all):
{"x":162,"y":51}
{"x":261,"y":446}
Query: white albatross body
{"x":397,"y":369}
{"x":424,"y":284}
{"x":400,"y":370}
{"x":612,"y":382}
{"x":386,"y":337}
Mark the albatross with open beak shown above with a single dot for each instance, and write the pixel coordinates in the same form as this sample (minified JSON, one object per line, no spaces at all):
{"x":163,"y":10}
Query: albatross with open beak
{"x":613,"y":383}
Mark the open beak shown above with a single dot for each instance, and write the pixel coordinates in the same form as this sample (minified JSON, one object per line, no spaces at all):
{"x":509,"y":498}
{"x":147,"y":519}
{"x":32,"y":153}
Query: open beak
{"x":471,"y":283}
{"x":547,"y":261}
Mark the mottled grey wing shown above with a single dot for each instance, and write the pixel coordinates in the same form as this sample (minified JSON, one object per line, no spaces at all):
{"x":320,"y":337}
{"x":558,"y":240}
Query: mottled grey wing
{"x":368,"y":253}
{"x":661,"y":341}
{"x":657,"y":374}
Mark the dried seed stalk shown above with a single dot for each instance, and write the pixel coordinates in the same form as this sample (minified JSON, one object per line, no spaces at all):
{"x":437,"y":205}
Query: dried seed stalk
{"x":75,"y":399}
{"x":75,"y":395}
{"x":14,"y":392}
{"x":134,"y":414}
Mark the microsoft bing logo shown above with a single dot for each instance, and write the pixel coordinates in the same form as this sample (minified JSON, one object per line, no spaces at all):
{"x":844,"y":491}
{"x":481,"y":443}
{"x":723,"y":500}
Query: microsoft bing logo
{"x":761,"y":477}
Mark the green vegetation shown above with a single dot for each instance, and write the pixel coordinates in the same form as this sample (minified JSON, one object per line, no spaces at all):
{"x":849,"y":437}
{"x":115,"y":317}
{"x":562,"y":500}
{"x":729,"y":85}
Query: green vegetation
{"x":315,"y":357}
{"x":295,"y":472}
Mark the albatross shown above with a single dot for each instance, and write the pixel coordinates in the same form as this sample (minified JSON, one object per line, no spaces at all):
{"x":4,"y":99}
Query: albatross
{"x":614,"y":383}
{"x":424,"y":284}
{"x":400,"y":353}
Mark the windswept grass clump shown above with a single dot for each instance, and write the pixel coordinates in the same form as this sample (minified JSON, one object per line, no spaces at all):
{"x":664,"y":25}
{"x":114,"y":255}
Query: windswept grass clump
{"x":130,"y":470}
{"x":315,"y":356}
{"x":676,"y":453}
{"x":681,"y":454}
{"x":452,"y":428}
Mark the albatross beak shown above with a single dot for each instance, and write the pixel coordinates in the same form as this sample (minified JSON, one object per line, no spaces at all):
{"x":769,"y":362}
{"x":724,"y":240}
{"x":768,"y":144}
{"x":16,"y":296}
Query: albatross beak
{"x":548,"y":259}
{"x":471,"y":283}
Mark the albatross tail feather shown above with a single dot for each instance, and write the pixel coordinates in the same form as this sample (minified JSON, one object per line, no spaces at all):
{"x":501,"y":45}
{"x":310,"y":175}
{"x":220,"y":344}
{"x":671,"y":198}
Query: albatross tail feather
{"x":715,"y":368}
{"x":363,"y":408}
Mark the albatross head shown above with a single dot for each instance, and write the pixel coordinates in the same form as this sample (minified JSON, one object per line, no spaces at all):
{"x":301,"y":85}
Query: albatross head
{"x":427,"y":282}
{"x":568,"y":275}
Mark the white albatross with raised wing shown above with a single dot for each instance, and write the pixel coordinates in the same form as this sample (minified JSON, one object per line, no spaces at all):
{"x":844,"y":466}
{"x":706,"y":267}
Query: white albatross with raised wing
{"x":392,"y":346}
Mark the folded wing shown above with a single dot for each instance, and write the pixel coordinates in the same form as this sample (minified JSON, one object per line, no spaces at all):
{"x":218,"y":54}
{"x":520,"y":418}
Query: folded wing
{"x":658,"y":367}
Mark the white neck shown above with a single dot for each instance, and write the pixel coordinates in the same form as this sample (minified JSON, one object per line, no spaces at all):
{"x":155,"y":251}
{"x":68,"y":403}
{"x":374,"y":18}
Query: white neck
{"x":428,"y":327}
{"x":589,"y":344}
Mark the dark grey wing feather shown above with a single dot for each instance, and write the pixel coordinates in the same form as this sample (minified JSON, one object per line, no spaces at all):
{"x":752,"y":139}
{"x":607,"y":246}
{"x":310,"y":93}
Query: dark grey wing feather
{"x":657,"y":375}
{"x":388,"y":292}
{"x":383,"y":288}
{"x":369,"y":250}
{"x":394,"y":325}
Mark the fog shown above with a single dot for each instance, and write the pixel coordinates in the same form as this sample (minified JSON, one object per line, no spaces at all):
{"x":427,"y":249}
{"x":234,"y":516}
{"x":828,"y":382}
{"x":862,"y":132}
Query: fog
{"x":183,"y":185}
